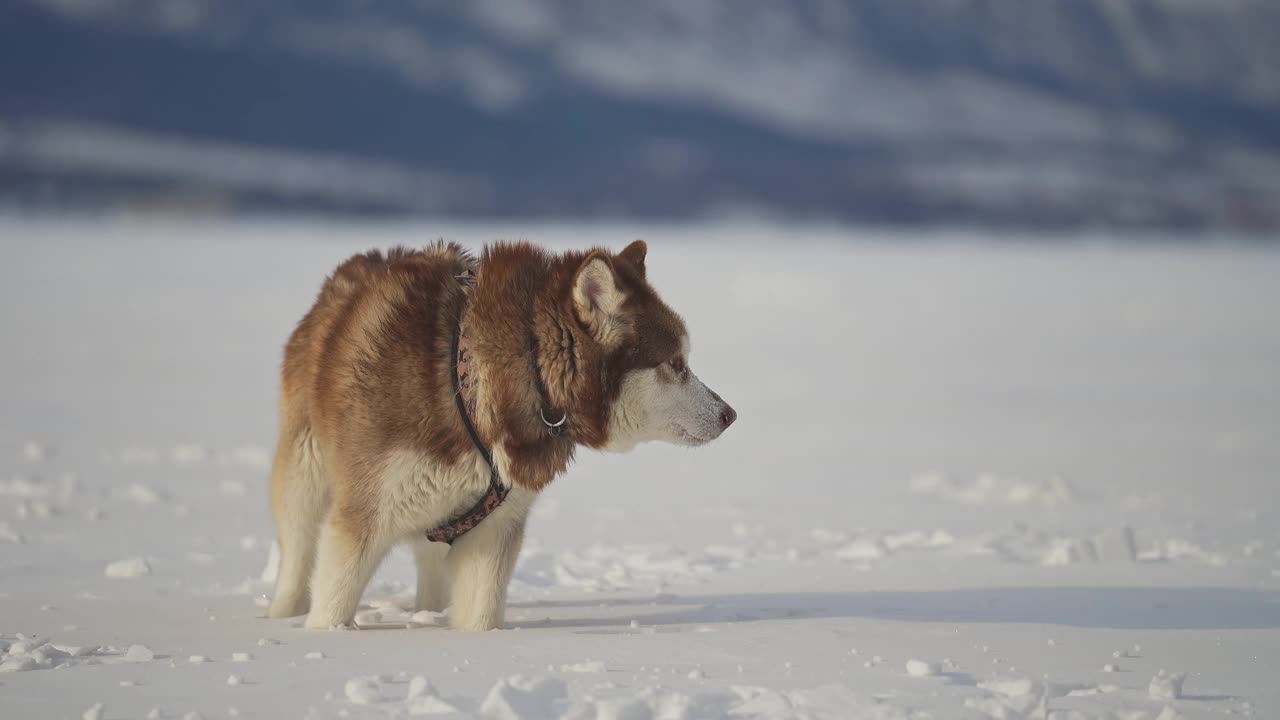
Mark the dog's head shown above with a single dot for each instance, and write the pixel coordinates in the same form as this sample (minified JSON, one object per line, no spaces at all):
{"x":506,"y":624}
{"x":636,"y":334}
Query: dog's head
{"x":641,"y":353}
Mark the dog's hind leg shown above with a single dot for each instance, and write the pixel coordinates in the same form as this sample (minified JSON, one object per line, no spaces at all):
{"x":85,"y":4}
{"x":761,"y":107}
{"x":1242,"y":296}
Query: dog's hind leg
{"x":299,"y":499}
{"x":352,"y":544}
{"x":433,"y":583}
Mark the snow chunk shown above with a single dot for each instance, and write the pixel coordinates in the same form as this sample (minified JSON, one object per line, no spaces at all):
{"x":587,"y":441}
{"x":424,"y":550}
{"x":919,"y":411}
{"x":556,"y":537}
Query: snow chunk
{"x":917,"y":539}
{"x":1069,"y":551}
{"x":1166,"y":686}
{"x":428,"y":617}
{"x":862,"y":549}
{"x":232,"y":488}
{"x":1022,"y":696}
{"x":38,"y":509}
{"x":241,"y":657}
{"x":251,"y":456}
{"x":760,"y":702}
{"x":1179,"y":549}
{"x":19,"y":664}
{"x":33,"y":451}
{"x":590,"y":666}
{"x":188,"y":454}
{"x":363,"y":690}
{"x":368,"y":617}
{"x":139,"y":653}
{"x":23,"y":488}
{"x":922,"y":668}
{"x":9,"y":535}
{"x":317,"y":655}
{"x":989,"y":489}
{"x":235,"y":680}
{"x":419,"y":686}
{"x":94,"y":713}
{"x":129,"y":568}
{"x":143,"y":494}
{"x":197,"y":659}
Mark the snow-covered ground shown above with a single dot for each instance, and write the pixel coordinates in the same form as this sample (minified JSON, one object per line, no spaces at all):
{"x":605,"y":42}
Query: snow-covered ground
{"x":971,"y":479}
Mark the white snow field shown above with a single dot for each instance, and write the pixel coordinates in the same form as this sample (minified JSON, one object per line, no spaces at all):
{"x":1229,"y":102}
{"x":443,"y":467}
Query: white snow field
{"x":971,"y":478}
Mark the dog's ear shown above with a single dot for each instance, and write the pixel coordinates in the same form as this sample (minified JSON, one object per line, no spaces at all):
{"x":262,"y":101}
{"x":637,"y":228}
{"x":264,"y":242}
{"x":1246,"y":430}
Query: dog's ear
{"x":634,"y":254}
{"x":598,"y":299}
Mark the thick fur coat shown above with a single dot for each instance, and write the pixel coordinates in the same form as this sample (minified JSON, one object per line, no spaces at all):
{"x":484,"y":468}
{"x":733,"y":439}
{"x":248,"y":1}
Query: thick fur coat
{"x":373,"y":452}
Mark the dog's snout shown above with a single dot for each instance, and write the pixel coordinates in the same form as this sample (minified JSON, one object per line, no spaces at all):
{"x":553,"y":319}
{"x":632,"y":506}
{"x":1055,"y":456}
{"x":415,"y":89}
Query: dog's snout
{"x":727,"y":416}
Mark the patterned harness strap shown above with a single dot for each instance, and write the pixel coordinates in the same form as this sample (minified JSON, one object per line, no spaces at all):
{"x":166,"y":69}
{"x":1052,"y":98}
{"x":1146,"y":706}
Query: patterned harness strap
{"x":464,"y":396}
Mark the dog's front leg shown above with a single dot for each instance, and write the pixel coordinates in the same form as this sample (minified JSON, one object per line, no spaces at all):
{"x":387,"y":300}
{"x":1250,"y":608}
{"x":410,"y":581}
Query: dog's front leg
{"x":480,"y":566}
{"x":433,"y":585}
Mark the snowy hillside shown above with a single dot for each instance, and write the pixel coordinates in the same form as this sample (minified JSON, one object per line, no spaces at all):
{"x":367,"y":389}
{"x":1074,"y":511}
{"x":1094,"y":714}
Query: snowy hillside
{"x":969,"y":480}
{"x":1082,"y":113}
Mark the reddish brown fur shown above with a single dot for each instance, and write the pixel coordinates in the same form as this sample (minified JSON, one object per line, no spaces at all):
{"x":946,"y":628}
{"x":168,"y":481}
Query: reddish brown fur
{"x":367,"y":371}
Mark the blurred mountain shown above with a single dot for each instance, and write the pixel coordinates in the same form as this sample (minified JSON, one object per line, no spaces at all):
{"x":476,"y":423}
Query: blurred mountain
{"x":998,"y":112}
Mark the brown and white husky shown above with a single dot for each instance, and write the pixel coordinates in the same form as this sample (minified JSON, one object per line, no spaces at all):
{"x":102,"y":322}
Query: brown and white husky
{"x":429,"y":396}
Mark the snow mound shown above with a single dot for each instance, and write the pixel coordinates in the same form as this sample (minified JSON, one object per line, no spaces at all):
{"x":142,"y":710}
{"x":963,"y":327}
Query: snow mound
{"x":23,"y":487}
{"x":363,"y":690}
{"x":9,"y":535}
{"x":1013,"y":698}
{"x":435,"y":707}
{"x":188,"y":454}
{"x":34,"y":452}
{"x":419,"y":686}
{"x":139,"y":653}
{"x":923,"y":668}
{"x":590,"y":666}
{"x":1166,"y":686}
{"x":250,"y":456}
{"x":25,"y":653}
{"x":521,"y":698}
{"x":128,"y":568}
{"x":991,"y":489}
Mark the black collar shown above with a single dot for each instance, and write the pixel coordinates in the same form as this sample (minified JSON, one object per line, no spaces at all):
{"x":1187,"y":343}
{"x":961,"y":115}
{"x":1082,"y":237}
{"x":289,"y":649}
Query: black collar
{"x":552,"y":419}
{"x":463,"y":381}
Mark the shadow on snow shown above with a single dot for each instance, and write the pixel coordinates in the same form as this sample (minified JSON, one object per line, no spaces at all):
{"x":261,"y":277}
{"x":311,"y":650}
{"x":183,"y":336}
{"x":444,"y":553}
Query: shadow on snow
{"x":1169,"y":608}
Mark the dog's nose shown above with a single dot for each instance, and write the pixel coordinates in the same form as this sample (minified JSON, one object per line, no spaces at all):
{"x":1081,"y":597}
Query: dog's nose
{"x":727,"y":416}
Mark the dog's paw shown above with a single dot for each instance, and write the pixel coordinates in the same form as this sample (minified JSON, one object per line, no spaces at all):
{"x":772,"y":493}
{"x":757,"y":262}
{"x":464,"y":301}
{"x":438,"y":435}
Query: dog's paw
{"x":482,"y":623}
{"x":287,"y":608}
{"x":316,"y":623}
